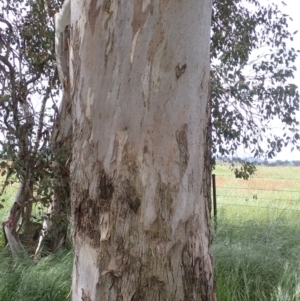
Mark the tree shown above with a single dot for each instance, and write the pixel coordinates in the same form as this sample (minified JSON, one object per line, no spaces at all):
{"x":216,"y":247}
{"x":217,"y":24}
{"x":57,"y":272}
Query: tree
{"x":252,"y":79}
{"x":28,"y":80}
{"x":140,"y":175}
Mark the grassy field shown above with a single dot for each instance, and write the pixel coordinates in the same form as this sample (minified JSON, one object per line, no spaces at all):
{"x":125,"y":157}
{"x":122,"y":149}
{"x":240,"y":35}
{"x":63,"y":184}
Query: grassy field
{"x":274,"y":188}
{"x":257,"y":240}
{"x":256,"y":244}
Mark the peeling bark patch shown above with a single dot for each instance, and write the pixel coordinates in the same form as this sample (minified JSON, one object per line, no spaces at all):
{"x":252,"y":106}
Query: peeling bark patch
{"x":193,"y":290}
{"x":139,"y":17}
{"x":116,"y":264}
{"x":157,"y":38}
{"x":85,"y":216}
{"x":153,"y":289}
{"x":127,"y":191}
{"x":85,"y":297}
{"x":160,"y":229}
{"x":131,"y":196}
{"x":93,"y":14}
{"x":181,"y":138}
{"x":180,"y":70}
{"x":133,"y":45}
{"x":107,"y":6}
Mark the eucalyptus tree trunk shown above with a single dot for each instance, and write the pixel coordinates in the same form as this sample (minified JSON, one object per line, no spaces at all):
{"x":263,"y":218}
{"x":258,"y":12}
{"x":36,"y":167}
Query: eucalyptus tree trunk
{"x":140,"y":172}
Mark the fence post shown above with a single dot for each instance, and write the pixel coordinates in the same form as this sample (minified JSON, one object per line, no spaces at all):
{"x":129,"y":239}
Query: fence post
{"x":214,"y":199}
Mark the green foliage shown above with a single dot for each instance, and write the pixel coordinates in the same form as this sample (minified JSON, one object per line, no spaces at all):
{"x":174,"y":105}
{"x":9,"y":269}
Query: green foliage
{"x":246,"y":169}
{"x":252,"y":70}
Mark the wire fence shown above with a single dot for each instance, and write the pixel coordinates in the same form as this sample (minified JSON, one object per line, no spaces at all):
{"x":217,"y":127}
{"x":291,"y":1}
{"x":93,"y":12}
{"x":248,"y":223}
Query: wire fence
{"x":255,"y":196}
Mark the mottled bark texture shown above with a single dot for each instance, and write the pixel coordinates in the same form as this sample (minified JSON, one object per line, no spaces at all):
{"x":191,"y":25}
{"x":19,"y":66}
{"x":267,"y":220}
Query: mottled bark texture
{"x":139,"y":82}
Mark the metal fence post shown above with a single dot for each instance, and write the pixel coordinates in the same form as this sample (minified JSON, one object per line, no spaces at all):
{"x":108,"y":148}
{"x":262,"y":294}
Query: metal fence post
{"x":214,"y":199}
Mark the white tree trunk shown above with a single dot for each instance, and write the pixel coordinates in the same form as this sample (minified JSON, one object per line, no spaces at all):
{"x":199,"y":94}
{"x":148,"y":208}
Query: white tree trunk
{"x":140,"y":174}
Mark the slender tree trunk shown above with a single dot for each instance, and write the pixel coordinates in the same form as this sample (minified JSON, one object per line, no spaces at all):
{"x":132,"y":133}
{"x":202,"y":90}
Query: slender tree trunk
{"x":140,"y":174}
{"x":56,"y":225}
{"x":10,"y":225}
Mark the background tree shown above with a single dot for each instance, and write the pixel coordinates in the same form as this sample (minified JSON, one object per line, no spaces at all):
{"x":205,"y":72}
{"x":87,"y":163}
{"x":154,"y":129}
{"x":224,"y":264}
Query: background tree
{"x":29,"y":86}
{"x":252,"y":80}
{"x":140,"y":175}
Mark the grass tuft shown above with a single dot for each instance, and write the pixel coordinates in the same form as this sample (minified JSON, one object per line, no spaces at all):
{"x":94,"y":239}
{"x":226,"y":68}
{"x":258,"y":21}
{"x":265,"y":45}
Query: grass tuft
{"x":258,"y":259}
{"x":48,"y":279}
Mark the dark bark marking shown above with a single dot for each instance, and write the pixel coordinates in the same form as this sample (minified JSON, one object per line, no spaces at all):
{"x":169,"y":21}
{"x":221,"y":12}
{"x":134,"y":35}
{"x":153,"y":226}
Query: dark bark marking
{"x":182,"y":141}
{"x":109,"y":47}
{"x":106,"y":187}
{"x":85,"y":297}
{"x":180,"y":70}
{"x":93,"y":14}
{"x":88,"y":211}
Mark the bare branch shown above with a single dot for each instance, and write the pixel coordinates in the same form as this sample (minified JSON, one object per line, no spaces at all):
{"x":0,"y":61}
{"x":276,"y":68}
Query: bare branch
{"x":7,"y":43}
{"x":42,"y":115}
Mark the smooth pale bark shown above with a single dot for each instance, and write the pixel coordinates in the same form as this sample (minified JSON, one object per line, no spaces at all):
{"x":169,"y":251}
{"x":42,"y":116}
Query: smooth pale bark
{"x":140,"y":174}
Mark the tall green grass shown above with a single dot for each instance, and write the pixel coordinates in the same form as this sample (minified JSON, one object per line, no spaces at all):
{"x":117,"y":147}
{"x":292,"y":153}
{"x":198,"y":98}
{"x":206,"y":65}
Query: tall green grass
{"x":48,"y":279}
{"x":257,"y":255}
{"x":256,"y":250}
